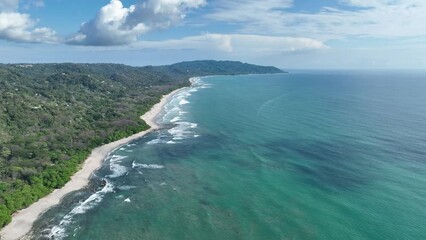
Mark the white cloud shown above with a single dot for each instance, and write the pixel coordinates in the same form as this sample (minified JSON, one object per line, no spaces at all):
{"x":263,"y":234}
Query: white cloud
{"x":374,"y":18}
{"x":236,"y":44}
{"x":117,"y":25}
{"x":20,"y":28}
{"x":8,"y":5}
{"x":33,"y":3}
{"x":369,"y":3}
{"x":12,"y":5}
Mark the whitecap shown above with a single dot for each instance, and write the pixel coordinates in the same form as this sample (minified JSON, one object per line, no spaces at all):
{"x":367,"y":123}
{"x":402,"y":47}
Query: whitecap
{"x":125,"y":188}
{"x":175,"y":109}
{"x":155,"y":141}
{"x":116,"y":158}
{"x":175,"y":119}
{"x":117,"y":170}
{"x":147,"y":166}
{"x":182,"y":130}
{"x":171,"y":112}
{"x":59,"y":231}
{"x":183,"y":102}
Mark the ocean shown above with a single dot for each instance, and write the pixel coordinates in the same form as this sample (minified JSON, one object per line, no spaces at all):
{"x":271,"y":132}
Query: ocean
{"x":306,"y":155}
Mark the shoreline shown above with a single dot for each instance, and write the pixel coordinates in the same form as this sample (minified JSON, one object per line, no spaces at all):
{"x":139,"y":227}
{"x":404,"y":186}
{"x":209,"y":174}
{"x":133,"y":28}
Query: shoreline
{"x":22,"y":220}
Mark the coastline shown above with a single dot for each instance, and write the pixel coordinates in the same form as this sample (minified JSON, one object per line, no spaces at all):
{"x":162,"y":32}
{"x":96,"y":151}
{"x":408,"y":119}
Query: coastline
{"x":22,"y":221}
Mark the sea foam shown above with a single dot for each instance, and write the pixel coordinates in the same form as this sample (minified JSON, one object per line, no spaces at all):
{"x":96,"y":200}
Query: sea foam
{"x":183,"y":102}
{"x":125,"y":188}
{"x":59,"y":231}
{"x":176,"y":112}
{"x":116,"y":169}
{"x":147,"y":166}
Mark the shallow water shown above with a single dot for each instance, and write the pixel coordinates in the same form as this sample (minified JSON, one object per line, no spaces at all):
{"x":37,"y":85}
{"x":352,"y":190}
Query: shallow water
{"x":308,"y":155}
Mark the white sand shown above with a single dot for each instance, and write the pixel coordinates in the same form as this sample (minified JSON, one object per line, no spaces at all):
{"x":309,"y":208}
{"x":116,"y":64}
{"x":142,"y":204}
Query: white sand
{"x":22,"y":221}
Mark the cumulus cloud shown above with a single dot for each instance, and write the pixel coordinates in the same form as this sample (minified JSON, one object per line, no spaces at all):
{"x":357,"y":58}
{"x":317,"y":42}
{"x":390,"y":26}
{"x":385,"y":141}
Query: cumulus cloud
{"x":117,"y":25}
{"x":19,"y":27}
{"x":236,"y":44}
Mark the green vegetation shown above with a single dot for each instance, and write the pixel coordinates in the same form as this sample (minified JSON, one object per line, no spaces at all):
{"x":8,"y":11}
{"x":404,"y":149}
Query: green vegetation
{"x":52,"y":115}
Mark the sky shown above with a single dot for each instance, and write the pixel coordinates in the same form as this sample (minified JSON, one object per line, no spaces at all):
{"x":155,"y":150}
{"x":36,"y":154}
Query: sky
{"x":290,"y":34}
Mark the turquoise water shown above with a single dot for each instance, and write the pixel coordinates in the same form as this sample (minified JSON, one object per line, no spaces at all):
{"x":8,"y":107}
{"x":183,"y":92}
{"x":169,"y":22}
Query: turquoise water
{"x":306,"y":155}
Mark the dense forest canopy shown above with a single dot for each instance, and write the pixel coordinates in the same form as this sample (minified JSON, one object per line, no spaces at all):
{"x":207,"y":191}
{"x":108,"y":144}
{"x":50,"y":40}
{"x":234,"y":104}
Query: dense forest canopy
{"x":52,"y":115}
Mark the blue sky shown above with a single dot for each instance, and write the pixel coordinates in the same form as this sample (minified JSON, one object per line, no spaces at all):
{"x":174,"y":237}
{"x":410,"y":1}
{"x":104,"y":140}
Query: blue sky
{"x":307,"y":34}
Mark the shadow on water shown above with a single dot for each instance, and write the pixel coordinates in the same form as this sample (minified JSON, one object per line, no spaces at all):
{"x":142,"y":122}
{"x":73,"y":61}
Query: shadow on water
{"x":328,"y":165}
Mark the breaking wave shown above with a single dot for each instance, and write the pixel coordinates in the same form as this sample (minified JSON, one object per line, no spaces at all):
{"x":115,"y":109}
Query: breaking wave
{"x":147,"y":166}
{"x":59,"y":231}
{"x":116,"y":169}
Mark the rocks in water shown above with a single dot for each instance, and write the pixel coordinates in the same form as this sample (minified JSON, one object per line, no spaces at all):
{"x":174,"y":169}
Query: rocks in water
{"x":103,"y":183}
{"x":96,"y":185}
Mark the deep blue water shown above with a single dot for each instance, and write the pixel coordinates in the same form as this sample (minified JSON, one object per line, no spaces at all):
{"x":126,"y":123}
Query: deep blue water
{"x":306,"y":155}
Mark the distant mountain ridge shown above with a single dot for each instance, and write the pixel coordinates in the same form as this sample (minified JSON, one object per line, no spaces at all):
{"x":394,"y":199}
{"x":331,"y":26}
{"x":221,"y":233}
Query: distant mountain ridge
{"x":211,"y":67}
{"x":52,"y":115}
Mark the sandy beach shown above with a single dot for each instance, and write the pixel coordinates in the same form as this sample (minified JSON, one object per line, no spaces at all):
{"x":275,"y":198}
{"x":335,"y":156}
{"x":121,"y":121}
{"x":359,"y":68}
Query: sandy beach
{"x":23,"y":220}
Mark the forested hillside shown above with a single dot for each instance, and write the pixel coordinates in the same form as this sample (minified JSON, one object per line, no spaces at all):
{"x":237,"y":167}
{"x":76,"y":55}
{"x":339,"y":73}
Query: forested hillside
{"x":52,"y":115}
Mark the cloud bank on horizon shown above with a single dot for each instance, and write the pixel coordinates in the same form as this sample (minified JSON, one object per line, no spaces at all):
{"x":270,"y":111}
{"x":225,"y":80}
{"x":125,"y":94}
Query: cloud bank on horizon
{"x":238,"y":28}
